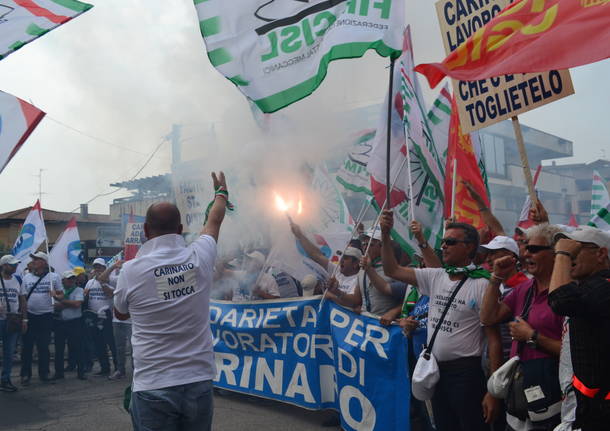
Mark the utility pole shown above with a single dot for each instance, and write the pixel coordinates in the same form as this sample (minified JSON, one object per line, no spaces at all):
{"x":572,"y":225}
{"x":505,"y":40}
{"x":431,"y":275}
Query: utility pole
{"x":174,"y":136}
{"x":40,"y":193}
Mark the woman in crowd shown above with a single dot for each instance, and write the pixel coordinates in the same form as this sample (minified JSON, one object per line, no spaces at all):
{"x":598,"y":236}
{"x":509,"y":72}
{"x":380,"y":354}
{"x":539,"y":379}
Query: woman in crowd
{"x":534,"y":328}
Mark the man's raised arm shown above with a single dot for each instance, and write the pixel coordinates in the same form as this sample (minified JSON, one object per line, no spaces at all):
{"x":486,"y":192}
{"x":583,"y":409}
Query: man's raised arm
{"x":312,"y":251}
{"x":217,"y":212}
{"x":390,"y":266}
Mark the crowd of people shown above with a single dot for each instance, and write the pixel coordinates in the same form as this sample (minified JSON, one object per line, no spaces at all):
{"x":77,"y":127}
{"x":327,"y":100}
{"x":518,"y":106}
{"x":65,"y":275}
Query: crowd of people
{"x":536,"y":303}
{"x":71,"y":311}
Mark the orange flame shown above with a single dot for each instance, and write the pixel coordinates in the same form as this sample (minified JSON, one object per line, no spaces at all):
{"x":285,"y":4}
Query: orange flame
{"x":281,"y":204}
{"x":300,"y":207}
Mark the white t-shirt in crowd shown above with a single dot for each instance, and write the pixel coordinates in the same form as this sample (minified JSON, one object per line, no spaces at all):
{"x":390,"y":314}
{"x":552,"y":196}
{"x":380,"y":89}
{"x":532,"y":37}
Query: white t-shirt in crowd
{"x":166,"y":290}
{"x":70,"y":313}
{"x":41,"y":301}
{"x":268,"y":285}
{"x":98,"y":300}
{"x":374,"y":301}
{"x":347,"y":284}
{"x":113,"y":279}
{"x":14,"y":289}
{"x":462,"y":333}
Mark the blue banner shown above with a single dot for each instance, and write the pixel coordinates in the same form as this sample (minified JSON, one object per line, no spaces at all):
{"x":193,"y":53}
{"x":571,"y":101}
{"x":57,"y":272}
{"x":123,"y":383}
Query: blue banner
{"x":289,"y":351}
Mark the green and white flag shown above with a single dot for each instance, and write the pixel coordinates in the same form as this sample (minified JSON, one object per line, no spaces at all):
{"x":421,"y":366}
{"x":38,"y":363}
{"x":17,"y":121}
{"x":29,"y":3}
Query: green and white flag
{"x":413,"y":132}
{"x":277,"y":51}
{"x":353,"y":175}
{"x":22,"y":21}
{"x":601,"y":220}
{"x":599,"y":195}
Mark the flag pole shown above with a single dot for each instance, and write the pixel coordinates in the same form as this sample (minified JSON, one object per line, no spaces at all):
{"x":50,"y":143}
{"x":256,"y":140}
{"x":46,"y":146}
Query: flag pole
{"x":411,"y":198}
{"x":453,"y":187}
{"x":527,"y":173}
{"x":385,"y":204}
{"x":389,"y":132}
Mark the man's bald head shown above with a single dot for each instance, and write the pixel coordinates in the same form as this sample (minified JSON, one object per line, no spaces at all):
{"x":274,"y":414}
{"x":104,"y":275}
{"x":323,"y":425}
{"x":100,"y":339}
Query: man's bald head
{"x":161,"y":219}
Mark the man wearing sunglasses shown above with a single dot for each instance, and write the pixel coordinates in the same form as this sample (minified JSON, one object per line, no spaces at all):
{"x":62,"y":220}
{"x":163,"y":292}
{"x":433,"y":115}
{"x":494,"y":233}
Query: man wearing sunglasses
{"x":460,"y":401}
{"x":580,"y":290}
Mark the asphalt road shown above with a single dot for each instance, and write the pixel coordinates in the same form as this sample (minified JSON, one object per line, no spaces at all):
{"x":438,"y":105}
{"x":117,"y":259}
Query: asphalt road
{"x":96,"y":405}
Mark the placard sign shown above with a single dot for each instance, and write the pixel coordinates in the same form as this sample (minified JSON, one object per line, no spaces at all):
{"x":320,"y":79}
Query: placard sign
{"x":488,"y":101}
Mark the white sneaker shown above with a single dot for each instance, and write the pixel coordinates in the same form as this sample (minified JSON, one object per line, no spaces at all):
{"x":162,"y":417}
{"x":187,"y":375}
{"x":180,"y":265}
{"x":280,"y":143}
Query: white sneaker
{"x":117,"y":375}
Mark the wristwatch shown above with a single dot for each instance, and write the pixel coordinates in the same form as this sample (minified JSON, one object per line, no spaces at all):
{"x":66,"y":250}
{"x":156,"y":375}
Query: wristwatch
{"x":423,"y":245}
{"x":532,"y":342}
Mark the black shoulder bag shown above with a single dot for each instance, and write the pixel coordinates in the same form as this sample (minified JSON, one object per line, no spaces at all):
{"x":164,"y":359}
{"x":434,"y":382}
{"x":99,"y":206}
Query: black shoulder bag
{"x":534,"y":390}
{"x":13,"y":320}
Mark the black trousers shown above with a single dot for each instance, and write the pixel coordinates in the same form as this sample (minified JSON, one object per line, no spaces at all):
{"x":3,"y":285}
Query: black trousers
{"x":69,"y":332}
{"x":592,"y":414}
{"x":103,"y":339}
{"x":39,"y":334}
{"x":458,"y":395}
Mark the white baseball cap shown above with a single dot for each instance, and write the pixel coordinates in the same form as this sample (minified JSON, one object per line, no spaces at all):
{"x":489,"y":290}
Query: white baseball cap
{"x":257,"y":256}
{"x":68,"y":274}
{"x":374,"y":233}
{"x":40,"y":255}
{"x":353,"y":252}
{"x":309,"y":283}
{"x":9,"y":259}
{"x":502,"y":242}
{"x":100,"y":261}
{"x":587,"y":234}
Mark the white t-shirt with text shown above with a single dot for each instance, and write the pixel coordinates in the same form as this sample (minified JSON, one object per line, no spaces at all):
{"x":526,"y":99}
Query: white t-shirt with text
{"x":461,"y":334}
{"x":347,"y":283}
{"x":14,"y":289}
{"x":98,"y":300}
{"x":41,"y":301}
{"x":166,"y":290}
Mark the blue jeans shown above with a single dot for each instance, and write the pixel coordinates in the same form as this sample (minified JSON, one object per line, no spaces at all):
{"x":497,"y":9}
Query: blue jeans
{"x":177,"y":408}
{"x":9,"y":340}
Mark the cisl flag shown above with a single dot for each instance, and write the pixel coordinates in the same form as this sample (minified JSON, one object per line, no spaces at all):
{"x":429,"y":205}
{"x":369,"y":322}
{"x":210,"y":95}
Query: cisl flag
{"x":67,"y":252}
{"x":22,"y":21}
{"x":17,"y":120}
{"x":277,"y":51}
{"x":32,"y":234}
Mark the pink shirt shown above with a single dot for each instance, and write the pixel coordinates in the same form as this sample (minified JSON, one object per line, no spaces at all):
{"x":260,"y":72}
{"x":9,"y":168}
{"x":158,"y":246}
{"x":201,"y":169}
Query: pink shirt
{"x":541,"y":318}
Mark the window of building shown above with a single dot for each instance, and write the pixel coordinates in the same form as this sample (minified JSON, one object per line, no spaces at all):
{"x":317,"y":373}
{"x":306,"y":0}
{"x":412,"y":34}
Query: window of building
{"x":493,"y":155}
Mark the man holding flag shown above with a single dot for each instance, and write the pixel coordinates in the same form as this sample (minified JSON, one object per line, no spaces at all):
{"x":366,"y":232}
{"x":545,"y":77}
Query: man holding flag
{"x":40,"y":286}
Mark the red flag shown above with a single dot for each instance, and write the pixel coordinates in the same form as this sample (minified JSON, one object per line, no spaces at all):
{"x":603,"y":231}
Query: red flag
{"x":573,"y":221}
{"x":530,"y":36}
{"x":461,"y":150}
{"x":132,"y":238}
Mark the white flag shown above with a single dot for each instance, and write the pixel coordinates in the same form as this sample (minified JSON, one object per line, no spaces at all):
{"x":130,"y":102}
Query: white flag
{"x":277,"y":51}
{"x":67,"y":252}
{"x":23,"y":21}
{"x":32,"y":234}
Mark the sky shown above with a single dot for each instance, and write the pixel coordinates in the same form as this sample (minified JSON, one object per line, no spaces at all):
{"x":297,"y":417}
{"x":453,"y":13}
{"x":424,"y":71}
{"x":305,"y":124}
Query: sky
{"x":115,"y":79}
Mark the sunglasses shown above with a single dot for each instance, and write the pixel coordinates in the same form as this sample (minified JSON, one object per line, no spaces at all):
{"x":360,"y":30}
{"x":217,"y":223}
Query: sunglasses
{"x":452,"y":241}
{"x":537,"y":248}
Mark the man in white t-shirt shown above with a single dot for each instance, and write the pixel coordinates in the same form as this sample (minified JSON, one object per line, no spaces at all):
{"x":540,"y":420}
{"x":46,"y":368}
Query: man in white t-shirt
{"x":98,"y":300}
{"x":342,"y":287}
{"x":251,"y":283}
{"x":460,"y":401}
{"x":39,"y":285}
{"x":69,"y":326}
{"x":121,"y":329}
{"x":12,"y":300}
{"x":166,"y":292}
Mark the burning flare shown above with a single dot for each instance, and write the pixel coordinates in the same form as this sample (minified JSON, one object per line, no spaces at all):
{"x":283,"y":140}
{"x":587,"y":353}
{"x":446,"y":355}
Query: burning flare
{"x":281,"y":204}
